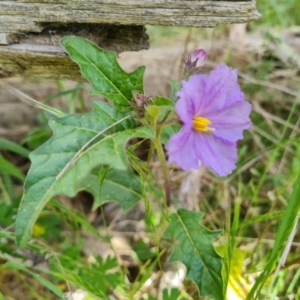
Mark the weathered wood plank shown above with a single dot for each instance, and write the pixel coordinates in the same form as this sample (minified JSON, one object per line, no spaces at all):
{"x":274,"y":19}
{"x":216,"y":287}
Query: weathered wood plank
{"x":40,"y":55}
{"x":30,"y":30}
{"x":28,"y":15}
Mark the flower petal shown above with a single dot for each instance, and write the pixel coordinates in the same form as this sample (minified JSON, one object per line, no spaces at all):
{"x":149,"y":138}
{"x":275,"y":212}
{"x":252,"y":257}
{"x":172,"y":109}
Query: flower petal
{"x":190,"y":95}
{"x":221,"y":83}
{"x":230,"y":123}
{"x":235,"y":94}
{"x":216,"y":154}
{"x":181,"y":149}
{"x":184,"y":107}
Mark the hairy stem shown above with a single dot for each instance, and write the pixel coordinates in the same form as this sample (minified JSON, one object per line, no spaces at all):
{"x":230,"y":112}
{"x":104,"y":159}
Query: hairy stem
{"x":161,"y":156}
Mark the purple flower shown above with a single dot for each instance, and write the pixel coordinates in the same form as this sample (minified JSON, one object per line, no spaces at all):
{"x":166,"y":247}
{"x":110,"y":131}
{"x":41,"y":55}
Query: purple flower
{"x":214,"y":115}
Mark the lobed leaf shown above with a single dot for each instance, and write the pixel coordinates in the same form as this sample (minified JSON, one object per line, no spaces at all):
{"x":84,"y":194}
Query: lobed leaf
{"x":103,"y":71}
{"x":120,"y":186}
{"x":79,"y":144}
{"x":194,"y":248}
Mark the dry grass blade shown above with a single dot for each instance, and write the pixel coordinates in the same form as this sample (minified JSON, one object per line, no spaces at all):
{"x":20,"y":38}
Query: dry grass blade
{"x":32,"y":102}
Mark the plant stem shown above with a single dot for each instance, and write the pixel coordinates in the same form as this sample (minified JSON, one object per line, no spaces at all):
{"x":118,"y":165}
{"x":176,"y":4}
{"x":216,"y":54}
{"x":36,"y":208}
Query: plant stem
{"x":170,"y":122}
{"x":161,"y":156}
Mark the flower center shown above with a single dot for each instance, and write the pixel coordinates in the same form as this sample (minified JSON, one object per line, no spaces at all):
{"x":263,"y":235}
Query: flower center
{"x":200,"y":124}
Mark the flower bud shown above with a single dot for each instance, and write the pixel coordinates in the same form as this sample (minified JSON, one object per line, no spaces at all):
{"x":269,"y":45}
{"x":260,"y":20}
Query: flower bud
{"x":140,"y":103}
{"x":199,"y":57}
{"x":194,"y":63}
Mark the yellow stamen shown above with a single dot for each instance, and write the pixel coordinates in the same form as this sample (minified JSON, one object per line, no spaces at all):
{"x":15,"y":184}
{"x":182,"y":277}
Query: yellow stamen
{"x":200,"y":124}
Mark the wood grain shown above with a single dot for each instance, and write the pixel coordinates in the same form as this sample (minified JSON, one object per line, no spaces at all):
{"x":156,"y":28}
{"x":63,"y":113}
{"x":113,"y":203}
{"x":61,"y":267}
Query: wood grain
{"x":31,"y":15}
{"x":40,"y":55}
{"x":30,"y":30}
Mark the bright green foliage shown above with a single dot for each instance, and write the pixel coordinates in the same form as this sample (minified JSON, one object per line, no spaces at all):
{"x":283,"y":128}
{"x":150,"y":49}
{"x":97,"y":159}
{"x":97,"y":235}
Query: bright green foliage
{"x":102,"y":70}
{"x":273,"y":10}
{"x":168,"y":131}
{"x":82,"y":221}
{"x":162,"y":109}
{"x":149,"y":298}
{"x":194,"y":248}
{"x":153,"y":113}
{"x":158,"y":110}
{"x":284,"y":230}
{"x":175,"y":86}
{"x":173,"y":294}
{"x":13,"y":147}
{"x":98,"y":278}
{"x":42,"y":280}
{"x":121,"y":186}
{"x":165,"y":102}
{"x":8,"y":173}
{"x":79,"y":144}
{"x":8,"y":168}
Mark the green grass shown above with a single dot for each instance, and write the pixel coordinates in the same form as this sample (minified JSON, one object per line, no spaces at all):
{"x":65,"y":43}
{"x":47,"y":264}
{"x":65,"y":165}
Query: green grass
{"x":256,"y":206}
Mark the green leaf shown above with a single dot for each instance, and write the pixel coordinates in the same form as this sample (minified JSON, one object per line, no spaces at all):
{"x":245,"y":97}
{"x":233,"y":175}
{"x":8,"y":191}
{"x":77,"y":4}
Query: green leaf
{"x":121,"y":186}
{"x":13,"y":147}
{"x":102,"y":70}
{"x":160,"y":107}
{"x":175,"y":86}
{"x":145,"y":273}
{"x":78,"y":145}
{"x":82,"y":221}
{"x":161,"y":101}
{"x":153,"y":113}
{"x":8,"y":168}
{"x":173,"y":294}
{"x":149,"y":297}
{"x":168,"y":131}
{"x":194,"y":248}
{"x":36,"y":137}
{"x":283,"y":232}
{"x":40,"y":279}
{"x":98,"y":278}
{"x":163,"y":110}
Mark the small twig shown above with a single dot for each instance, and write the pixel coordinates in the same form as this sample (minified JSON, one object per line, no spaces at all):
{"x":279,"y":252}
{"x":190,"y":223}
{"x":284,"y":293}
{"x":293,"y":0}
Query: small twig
{"x":284,"y":156}
{"x":268,"y":115}
{"x":271,"y":85}
{"x":32,"y":102}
